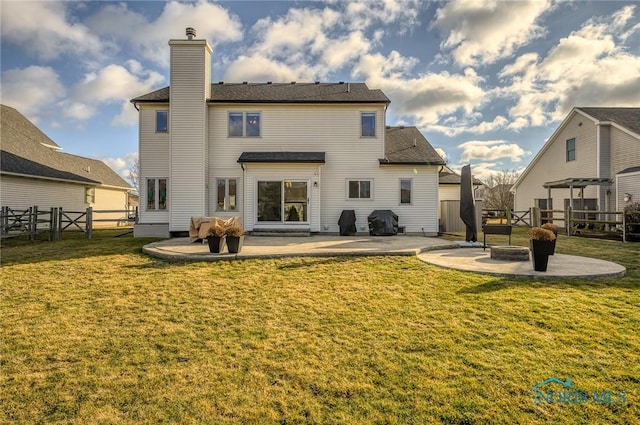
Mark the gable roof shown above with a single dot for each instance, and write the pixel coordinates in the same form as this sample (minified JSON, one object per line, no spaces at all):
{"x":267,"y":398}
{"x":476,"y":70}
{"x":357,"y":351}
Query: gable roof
{"x":628,"y":118}
{"x":281,"y":93}
{"x":407,"y":146}
{"x":448,"y":176}
{"x":28,"y":151}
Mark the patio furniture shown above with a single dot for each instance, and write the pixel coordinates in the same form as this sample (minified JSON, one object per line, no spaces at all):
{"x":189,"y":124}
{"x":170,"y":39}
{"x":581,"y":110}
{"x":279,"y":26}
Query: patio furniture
{"x":495,"y":229}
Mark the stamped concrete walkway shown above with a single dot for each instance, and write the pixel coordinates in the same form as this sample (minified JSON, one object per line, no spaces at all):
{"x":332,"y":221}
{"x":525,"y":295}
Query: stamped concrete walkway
{"x":435,"y":251}
{"x":292,"y":246}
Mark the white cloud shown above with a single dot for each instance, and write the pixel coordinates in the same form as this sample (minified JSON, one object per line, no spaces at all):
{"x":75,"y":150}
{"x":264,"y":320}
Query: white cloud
{"x":31,"y":90}
{"x":111,"y":84}
{"x":43,"y":29}
{"x":589,"y":67}
{"x":441,"y":152}
{"x":489,"y":150}
{"x":481,"y":32}
{"x":121,"y":165}
{"x":363,"y":14}
{"x":149,"y":38}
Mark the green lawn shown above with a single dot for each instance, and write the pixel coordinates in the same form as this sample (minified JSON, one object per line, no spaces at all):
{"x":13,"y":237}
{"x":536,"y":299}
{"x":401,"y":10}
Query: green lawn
{"x":95,"y":332}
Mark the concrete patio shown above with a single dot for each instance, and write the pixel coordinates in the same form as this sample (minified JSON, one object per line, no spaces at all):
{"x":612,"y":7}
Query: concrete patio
{"x":434,"y":251}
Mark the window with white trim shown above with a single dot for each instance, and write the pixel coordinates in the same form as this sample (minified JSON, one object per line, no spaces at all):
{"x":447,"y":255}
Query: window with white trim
{"x":227,"y":191}
{"x":368,"y":124}
{"x":162,"y":121}
{"x":90,"y":195}
{"x":405,"y":191}
{"x":359,"y":189}
{"x":571,"y":149}
{"x":156,"y":194}
{"x":244,"y":124}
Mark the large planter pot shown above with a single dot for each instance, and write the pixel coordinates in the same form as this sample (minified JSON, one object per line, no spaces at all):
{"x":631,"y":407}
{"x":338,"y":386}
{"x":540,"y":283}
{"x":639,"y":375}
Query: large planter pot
{"x":216,"y":244}
{"x":540,"y":251}
{"x":234,"y":244}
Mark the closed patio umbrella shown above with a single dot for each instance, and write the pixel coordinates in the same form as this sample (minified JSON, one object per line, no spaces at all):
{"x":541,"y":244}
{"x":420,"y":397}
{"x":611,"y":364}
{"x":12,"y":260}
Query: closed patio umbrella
{"x":467,"y":204}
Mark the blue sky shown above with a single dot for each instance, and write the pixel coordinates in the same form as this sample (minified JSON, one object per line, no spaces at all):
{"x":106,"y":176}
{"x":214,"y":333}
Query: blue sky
{"x":487,"y":82}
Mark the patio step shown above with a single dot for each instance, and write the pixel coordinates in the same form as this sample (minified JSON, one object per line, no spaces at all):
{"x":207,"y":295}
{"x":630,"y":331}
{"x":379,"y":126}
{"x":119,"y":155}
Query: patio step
{"x":281,"y":232}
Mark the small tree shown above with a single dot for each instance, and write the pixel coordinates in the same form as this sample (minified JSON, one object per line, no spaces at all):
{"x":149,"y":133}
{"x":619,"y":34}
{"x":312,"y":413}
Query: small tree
{"x":497,"y":193}
{"x":134,"y":175}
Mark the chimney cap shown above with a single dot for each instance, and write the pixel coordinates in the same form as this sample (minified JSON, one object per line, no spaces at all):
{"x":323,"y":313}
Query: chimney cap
{"x":191,"y":33}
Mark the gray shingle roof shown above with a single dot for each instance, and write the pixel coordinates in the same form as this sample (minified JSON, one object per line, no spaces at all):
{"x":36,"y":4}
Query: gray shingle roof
{"x":628,"y":118}
{"x":24,"y":152}
{"x":448,"y":176}
{"x":291,"y":157}
{"x":407,"y":146}
{"x":282,"y":93}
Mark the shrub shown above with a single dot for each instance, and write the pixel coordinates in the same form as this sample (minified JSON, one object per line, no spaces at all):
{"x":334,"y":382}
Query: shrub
{"x":218,"y":228}
{"x":541,"y":234}
{"x":550,"y":226}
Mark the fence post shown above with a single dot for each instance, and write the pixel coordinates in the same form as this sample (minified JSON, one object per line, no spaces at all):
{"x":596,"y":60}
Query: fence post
{"x":59,"y":229}
{"x":89,"y":222}
{"x":624,"y":227}
{"x":509,"y":216}
{"x":534,"y":212}
{"x":52,"y":222}
{"x":4,"y":220}
{"x":33,"y":231}
{"x":567,"y":218}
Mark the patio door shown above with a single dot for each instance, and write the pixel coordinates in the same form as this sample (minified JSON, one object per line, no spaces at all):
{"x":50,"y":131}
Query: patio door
{"x":282,"y":202}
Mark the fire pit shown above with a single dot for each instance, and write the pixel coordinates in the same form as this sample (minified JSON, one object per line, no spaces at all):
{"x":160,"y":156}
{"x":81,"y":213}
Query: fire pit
{"x":509,"y":253}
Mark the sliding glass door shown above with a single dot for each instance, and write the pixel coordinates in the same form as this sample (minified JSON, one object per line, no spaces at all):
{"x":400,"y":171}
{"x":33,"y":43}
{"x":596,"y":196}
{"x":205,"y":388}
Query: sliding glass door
{"x":283,"y":201}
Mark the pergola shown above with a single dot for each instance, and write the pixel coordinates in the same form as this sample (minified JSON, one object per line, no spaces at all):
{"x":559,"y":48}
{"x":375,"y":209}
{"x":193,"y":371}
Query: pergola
{"x":575,"y":182}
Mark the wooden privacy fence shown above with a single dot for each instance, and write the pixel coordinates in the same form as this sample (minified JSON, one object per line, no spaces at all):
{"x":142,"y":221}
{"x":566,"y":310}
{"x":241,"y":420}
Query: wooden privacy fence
{"x":32,"y":220}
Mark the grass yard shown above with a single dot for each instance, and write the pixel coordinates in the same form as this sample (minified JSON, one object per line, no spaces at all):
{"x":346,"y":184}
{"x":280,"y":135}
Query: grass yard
{"x":95,"y":332}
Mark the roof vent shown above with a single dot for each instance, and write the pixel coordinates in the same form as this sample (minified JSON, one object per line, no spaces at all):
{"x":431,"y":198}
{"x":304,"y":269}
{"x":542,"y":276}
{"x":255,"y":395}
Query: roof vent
{"x":244,"y":82}
{"x":341,"y":82}
{"x":317,"y":82}
{"x":293,"y":82}
{"x":220,"y":82}
{"x":269,"y":82}
{"x":191,"y":33}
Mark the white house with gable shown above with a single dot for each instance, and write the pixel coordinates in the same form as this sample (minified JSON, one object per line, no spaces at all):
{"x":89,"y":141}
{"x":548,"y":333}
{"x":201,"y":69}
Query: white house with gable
{"x":285,"y":156}
{"x":592,"y":159}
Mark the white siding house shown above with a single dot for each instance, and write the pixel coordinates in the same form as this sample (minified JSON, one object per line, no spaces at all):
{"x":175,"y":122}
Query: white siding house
{"x":33,"y":172}
{"x":288,"y":156}
{"x":596,"y":151}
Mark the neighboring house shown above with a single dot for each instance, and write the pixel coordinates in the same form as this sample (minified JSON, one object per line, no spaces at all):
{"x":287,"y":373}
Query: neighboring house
{"x":35,"y":173}
{"x":281,"y":156}
{"x":593,"y":158}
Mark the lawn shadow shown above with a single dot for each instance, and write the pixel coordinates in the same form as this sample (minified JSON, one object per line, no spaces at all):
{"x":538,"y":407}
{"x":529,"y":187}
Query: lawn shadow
{"x":591,"y":284}
{"x":314,"y":261}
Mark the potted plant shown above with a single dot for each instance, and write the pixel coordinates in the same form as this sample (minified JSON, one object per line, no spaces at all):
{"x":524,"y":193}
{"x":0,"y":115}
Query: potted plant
{"x":234,"y":238}
{"x":216,"y":236}
{"x":541,"y":246}
{"x":554,"y":228}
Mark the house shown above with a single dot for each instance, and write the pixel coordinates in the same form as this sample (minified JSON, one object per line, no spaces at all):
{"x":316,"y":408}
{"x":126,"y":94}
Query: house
{"x":592,"y":161}
{"x":283,"y":157}
{"x":34,"y":172}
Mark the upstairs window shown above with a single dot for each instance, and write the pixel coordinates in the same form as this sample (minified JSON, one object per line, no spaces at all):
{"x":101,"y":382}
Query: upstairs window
{"x":359,"y":189}
{"x":571,"y":150}
{"x":244,"y":124}
{"x":162,"y":121}
{"x":368,"y":124}
{"x":226,"y":194}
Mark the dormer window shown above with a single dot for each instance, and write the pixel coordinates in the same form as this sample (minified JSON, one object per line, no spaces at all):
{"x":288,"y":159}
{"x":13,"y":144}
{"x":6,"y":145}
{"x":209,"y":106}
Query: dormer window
{"x":162,"y":121}
{"x":244,"y":124}
{"x":368,"y":124}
